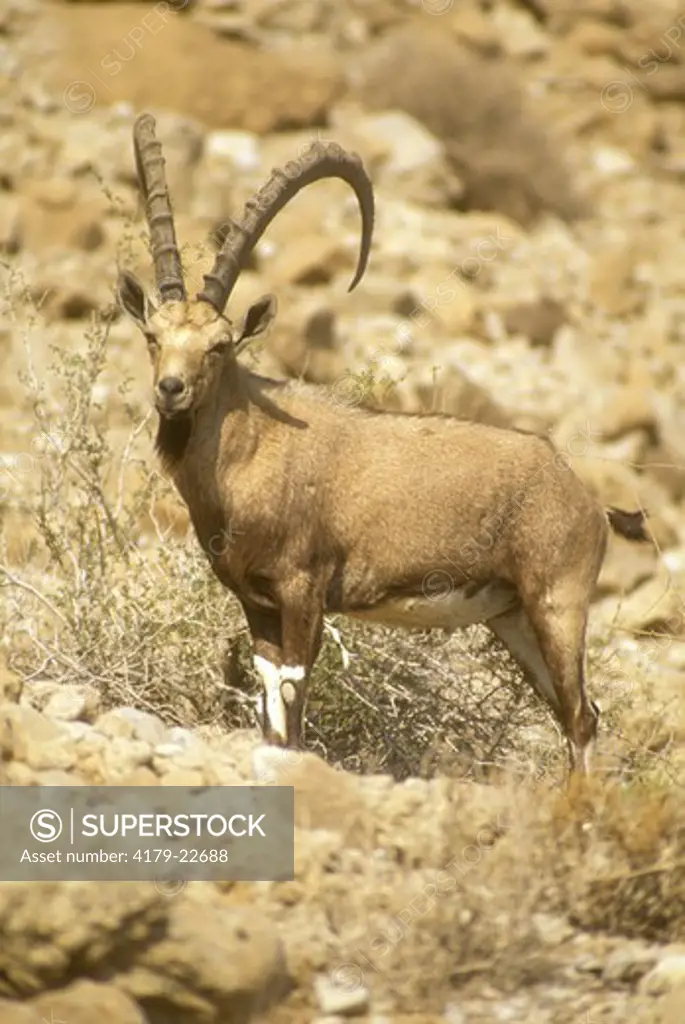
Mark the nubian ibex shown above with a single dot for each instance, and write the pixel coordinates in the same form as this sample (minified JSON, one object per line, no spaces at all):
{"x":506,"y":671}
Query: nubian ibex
{"x":306,"y":507}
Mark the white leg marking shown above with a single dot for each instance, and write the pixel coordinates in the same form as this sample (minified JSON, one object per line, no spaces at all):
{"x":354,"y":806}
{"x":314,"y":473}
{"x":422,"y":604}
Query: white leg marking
{"x":279,"y":688}
{"x":290,"y":675}
{"x":296,"y":673}
{"x":273,"y":701}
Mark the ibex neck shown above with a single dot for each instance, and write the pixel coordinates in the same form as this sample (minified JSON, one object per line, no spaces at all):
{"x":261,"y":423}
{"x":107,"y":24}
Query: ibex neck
{"x":201,"y":452}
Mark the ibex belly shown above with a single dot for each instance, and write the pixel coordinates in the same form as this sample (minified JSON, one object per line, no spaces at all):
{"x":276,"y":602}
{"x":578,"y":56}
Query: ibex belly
{"x":442,"y":604}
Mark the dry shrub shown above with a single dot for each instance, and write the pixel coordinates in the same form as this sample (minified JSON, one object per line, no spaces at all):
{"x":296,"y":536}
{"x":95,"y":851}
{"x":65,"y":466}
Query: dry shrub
{"x":414,"y":703}
{"x":138,"y":618}
{"x":622,"y":868}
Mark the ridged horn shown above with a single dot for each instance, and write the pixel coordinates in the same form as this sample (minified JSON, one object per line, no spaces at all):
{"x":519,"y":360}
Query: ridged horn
{"x":160,"y":219}
{"x":320,"y":160}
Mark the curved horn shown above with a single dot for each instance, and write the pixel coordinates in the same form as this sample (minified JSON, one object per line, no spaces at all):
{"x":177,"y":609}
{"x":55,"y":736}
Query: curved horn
{"x":321,"y":160}
{"x":160,"y":219}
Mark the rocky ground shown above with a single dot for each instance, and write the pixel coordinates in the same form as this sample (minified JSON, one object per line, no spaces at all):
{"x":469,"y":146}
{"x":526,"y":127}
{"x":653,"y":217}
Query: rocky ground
{"x":528,"y":168}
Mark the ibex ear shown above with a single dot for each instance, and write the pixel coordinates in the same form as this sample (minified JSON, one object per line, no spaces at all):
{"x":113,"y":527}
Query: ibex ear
{"x":258,"y":317}
{"x":133,"y":298}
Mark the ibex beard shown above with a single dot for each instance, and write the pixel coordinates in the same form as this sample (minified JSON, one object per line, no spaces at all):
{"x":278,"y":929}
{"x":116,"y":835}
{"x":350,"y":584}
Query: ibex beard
{"x":352,"y":510}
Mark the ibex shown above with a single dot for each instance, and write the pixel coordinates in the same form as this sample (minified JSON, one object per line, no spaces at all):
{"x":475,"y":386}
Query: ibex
{"x":328,"y":508}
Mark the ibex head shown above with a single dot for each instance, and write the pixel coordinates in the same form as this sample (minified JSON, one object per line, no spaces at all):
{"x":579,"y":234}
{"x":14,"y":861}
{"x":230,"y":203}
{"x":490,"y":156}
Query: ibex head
{"x":190,"y":339}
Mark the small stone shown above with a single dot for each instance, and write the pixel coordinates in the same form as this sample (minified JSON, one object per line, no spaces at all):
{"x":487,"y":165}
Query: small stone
{"x":453,"y":1015}
{"x":184,"y":751}
{"x":19,"y":774}
{"x":552,"y":930}
{"x":238,"y":149}
{"x":122,"y":755}
{"x":668,"y":974}
{"x":131,"y":723}
{"x":140,"y":776}
{"x":538,"y":321}
{"x":614,"y":286}
{"x":85,"y":1001}
{"x":79,"y":730}
{"x":30,"y":725}
{"x":55,"y":194}
{"x":343,"y":1000}
{"x":405,"y":141}
{"x":627,"y":965}
{"x":183,"y":737}
{"x":58,"y":754}
{"x":611,"y":162}
{"x":67,"y":704}
{"x":226,"y":963}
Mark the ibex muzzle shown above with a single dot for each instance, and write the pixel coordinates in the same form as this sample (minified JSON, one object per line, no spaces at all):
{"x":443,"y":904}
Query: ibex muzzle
{"x":304,"y":507}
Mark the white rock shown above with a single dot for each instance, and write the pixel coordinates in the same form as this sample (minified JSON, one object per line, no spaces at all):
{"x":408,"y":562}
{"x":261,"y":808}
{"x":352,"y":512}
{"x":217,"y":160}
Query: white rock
{"x":184,"y":738}
{"x":408,"y":144}
{"x":139,"y":725}
{"x":453,"y":1015}
{"x":345,"y":1000}
{"x":627,"y":964}
{"x":551,"y":929}
{"x":67,"y":705}
{"x":79,"y":730}
{"x":668,"y":974}
{"x":611,"y":162}
{"x":238,"y":149}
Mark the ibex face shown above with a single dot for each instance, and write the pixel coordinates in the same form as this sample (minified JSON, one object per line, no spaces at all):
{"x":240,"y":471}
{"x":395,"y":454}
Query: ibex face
{"x":188,"y":342}
{"x":190,"y":339}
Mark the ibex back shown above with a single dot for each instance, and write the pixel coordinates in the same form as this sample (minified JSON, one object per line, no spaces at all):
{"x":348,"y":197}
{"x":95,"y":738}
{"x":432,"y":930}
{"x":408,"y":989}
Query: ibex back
{"x":306,"y":507}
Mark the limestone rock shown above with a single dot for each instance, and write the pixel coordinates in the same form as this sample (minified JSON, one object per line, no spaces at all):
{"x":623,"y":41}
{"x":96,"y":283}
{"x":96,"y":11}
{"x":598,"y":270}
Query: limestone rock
{"x":614,"y":287}
{"x":70,"y":704}
{"x":31,"y":733}
{"x":132,"y":723}
{"x":49,"y":927}
{"x":628,"y":964}
{"x":342,"y":1000}
{"x":667,"y":975}
{"x":324,"y":798}
{"x":538,"y":321}
{"x":86,"y":1001}
{"x":19,"y":1013}
{"x":213,"y":963}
